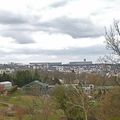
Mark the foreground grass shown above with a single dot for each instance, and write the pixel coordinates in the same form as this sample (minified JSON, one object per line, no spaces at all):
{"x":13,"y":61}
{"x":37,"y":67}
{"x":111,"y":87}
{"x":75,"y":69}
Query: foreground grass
{"x":30,"y":107}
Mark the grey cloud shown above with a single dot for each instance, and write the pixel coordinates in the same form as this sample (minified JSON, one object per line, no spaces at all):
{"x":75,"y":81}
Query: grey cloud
{"x":11,"y":18}
{"x":93,"y":50}
{"x":93,"y":53}
{"x":20,"y":37}
{"x":98,"y":50}
{"x":77,"y":28}
{"x":59,"y":4}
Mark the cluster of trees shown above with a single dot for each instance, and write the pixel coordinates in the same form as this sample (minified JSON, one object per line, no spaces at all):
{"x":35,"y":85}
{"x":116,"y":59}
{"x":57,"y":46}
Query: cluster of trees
{"x":109,"y":106}
{"x":73,"y":101}
{"x":77,"y":105}
{"x":23,"y":77}
{"x":4,"y":77}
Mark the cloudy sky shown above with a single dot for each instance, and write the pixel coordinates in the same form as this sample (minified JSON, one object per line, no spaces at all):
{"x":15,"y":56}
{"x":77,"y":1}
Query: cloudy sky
{"x":54,"y":30}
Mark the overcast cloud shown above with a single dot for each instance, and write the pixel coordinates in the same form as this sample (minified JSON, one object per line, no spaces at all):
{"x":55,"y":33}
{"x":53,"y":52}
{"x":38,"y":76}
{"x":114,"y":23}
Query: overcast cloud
{"x":7,"y":17}
{"x":54,"y":30}
{"x":76,"y":28}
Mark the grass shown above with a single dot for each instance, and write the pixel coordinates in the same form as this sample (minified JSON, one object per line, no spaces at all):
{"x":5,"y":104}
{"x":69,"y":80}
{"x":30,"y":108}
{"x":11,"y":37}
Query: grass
{"x":37,"y":107}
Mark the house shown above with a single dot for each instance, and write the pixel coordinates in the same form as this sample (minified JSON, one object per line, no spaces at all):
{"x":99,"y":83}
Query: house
{"x":6,"y":71}
{"x":88,"y":89}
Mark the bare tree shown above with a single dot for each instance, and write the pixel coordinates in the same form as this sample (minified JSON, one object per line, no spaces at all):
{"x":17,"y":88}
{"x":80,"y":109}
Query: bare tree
{"x":112,"y":37}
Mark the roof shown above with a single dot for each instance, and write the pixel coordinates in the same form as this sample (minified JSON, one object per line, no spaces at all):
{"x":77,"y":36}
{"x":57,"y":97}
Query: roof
{"x":40,"y":83}
{"x":5,"y":82}
{"x":104,"y":87}
{"x":36,"y":82}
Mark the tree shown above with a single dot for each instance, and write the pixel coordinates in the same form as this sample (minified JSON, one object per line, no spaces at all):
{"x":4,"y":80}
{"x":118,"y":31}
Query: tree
{"x":113,"y":38}
{"x":113,"y":43}
{"x":109,"y":108}
{"x":4,"y":77}
{"x":23,"y":77}
{"x":75,"y":103}
{"x":36,"y":75}
{"x":79,"y":101}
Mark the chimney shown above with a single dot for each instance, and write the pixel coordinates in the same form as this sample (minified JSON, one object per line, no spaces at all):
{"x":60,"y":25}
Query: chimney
{"x":84,"y":60}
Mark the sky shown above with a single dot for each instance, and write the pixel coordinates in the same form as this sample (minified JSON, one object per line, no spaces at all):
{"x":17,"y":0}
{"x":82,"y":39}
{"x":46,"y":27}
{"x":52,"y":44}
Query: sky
{"x":54,"y":30}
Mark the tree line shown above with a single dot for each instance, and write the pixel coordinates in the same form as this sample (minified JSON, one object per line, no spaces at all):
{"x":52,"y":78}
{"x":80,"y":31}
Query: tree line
{"x":23,"y":77}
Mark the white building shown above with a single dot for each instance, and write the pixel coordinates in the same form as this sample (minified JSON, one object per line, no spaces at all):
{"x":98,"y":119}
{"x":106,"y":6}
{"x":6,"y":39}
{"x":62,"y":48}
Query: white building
{"x":7,"y":71}
{"x":6,"y":85}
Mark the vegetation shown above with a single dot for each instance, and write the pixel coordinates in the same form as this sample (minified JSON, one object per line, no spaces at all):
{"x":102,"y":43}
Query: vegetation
{"x":21,"y":107}
{"x":109,"y":106}
{"x":65,"y":102}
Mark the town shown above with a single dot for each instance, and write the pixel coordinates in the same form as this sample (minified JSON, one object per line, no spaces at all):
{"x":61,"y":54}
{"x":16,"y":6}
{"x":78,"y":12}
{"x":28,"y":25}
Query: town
{"x":77,"y":67}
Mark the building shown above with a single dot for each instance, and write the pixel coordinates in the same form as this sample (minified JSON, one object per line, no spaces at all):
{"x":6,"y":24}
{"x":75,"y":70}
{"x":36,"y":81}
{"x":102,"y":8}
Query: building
{"x":44,"y":65}
{"x":81,"y":63}
{"x":7,"y":85}
{"x":35,"y":88}
{"x":6,"y":71}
